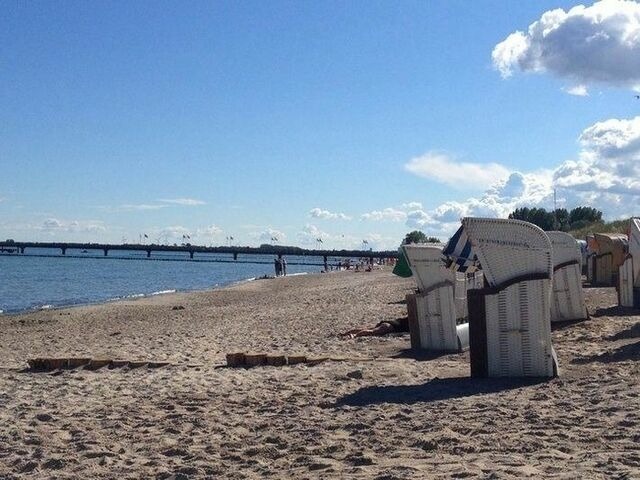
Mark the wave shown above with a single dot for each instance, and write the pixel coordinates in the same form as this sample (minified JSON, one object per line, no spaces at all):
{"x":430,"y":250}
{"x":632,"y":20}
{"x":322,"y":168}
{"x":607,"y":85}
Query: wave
{"x":162,"y":292}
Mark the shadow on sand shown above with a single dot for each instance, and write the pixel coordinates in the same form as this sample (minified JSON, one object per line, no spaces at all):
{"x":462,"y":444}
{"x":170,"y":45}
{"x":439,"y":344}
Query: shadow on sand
{"x":433,"y":391}
{"x":630,"y":351}
{"x":615,"y":311}
{"x":399,"y":302}
{"x":566,"y":324}
{"x":631,"y":332}
{"x":420,"y":355}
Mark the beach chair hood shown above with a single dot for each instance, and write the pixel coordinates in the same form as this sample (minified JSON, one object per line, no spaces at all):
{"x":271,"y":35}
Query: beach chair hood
{"x":459,"y":255}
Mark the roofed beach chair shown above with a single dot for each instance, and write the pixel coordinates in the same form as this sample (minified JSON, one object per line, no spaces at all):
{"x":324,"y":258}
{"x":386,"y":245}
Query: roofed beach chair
{"x":612,"y":250}
{"x":509,"y":319}
{"x":629,"y":271}
{"x":567,"y":298}
{"x":432,"y":311}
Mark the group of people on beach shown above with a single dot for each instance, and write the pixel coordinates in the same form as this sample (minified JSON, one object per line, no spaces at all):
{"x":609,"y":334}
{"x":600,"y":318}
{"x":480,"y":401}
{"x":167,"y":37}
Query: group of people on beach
{"x":280,"y":265}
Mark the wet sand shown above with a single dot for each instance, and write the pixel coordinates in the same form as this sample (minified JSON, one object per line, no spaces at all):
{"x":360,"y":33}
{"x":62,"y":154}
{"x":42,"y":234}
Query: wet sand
{"x":382,"y":414}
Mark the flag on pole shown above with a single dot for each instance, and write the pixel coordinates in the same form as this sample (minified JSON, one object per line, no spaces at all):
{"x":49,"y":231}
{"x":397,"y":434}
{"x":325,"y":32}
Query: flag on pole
{"x":146,"y":236}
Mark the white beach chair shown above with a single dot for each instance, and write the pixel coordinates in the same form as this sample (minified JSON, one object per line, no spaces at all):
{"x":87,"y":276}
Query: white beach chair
{"x":432,"y":311}
{"x":629,"y":271}
{"x":567,"y":299}
{"x":509,"y":320}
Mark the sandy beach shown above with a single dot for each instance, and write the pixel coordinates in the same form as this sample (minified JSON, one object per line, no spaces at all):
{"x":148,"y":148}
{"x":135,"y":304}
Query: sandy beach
{"x":380,"y":414}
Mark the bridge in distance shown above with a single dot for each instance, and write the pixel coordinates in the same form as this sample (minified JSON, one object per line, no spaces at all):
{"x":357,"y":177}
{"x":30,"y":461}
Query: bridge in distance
{"x":235,"y":251}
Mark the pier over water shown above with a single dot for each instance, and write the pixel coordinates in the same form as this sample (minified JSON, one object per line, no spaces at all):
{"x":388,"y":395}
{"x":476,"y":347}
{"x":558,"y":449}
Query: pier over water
{"x":12,"y":247}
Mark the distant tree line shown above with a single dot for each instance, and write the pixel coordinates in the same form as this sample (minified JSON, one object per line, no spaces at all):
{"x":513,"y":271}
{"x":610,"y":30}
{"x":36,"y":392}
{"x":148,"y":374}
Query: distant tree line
{"x":559,"y":219}
{"x":418,"y":237}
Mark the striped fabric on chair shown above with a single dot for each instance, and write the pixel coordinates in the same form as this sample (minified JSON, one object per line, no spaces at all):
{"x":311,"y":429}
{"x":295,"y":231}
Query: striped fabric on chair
{"x":459,"y":253}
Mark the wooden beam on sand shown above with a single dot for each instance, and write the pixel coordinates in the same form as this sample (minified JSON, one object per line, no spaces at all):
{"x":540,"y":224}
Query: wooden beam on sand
{"x":255,"y":359}
{"x":276,"y":360}
{"x":51,"y":364}
{"x":296,"y":359}
{"x":235,"y":360}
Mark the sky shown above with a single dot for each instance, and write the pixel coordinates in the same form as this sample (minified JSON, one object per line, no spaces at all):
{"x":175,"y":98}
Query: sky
{"x":347,"y":122}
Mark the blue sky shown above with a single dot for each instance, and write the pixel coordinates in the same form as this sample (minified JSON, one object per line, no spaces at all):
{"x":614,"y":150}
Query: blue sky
{"x":302,"y":120}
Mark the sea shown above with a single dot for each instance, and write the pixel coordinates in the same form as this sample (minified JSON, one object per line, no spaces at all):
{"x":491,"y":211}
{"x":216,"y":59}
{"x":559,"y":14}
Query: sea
{"x":44,"y":279}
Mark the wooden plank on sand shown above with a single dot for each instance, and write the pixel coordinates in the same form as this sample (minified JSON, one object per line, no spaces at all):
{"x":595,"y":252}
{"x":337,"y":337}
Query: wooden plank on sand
{"x":97,"y":363}
{"x":235,"y":360}
{"x":77,"y":362}
{"x":276,"y":360}
{"x":295,"y":359}
{"x":255,"y":359}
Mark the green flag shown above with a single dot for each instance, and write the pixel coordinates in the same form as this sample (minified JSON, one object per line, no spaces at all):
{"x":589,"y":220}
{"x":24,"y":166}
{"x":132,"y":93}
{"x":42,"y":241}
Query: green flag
{"x":402,"y":268}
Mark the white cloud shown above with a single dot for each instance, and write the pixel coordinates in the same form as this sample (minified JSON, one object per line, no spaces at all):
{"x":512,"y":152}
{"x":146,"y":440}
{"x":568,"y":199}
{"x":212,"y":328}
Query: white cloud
{"x":586,"y":45}
{"x":271,"y":235}
{"x":388,"y":214}
{"x":605,"y":175}
{"x":208,"y":232}
{"x":608,"y":163}
{"x":191,"y":202}
{"x":53,"y":225}
{"x":443,"y":169}
{"x":309,"y":235}
{"x":411,"y":206}
{"x":174,"y":232}
{"x":578,"y":91}
{"x":142,"y":206}
{"x":327,"y":215}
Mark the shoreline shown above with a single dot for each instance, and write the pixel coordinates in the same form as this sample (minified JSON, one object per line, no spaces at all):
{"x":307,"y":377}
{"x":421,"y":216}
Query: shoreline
{"x":133,"y":296}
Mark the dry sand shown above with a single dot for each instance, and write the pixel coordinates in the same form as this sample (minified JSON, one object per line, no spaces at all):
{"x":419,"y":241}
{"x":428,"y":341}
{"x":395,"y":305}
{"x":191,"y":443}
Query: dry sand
{"x":394,"y":418}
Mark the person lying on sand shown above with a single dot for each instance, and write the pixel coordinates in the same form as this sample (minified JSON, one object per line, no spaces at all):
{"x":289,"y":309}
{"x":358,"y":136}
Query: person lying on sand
{"x":398,"y":325}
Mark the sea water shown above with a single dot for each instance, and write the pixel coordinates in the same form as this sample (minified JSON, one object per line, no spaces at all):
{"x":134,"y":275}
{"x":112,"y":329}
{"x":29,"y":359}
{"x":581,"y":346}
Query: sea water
{"x":42,"y":278}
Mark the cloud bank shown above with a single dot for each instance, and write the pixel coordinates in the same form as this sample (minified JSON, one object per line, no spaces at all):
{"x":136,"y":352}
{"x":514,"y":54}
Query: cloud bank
{"x":605,"y":175}
{"x":327,"y":215}
{"x":189,"y":202}
{"x":599,"y":44}
{"x":461,"y":175}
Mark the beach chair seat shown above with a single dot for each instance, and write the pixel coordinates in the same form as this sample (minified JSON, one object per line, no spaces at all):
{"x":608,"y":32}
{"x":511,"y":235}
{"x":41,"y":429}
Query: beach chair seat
{"x":509,"y":319}
{"x":567,"y":298}
{"x":625,"y":284}
{"x":432,"y":311}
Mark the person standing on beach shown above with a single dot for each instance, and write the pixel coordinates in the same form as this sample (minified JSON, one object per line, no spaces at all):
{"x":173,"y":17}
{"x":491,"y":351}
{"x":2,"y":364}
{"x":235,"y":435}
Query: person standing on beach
{"x":284,"y":266}
{"x":278,"y":266}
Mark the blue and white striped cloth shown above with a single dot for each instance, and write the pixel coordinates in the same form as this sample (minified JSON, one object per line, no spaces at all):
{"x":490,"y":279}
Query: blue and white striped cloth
{"x":459,"y":255}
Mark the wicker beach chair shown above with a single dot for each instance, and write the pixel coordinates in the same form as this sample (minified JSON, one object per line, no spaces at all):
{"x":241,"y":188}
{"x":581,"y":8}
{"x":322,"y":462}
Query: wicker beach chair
{"x":611,"y":253}
{"x":629,"y":271}
{"x":509,"y":320}
{"x":432,"y":311}
{"x":567,"y":298}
